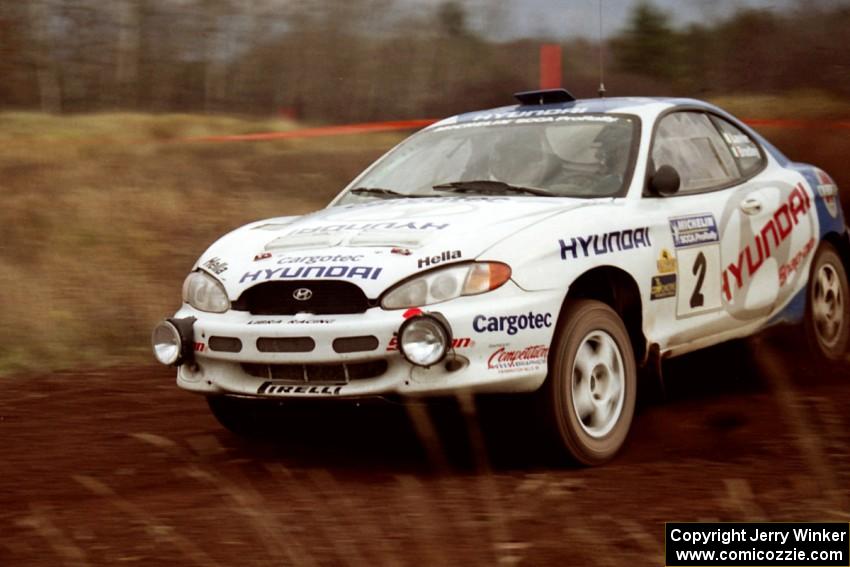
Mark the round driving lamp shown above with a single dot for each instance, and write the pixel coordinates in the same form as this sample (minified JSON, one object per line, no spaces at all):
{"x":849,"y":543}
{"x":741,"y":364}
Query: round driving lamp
{"x":424,"y":340}
{"x":166,"y":343}
{"x":172,"y":341}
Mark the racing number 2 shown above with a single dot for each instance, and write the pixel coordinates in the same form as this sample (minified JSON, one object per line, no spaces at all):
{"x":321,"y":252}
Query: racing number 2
{"x":697,"y":299}
{"x":698,"y":279}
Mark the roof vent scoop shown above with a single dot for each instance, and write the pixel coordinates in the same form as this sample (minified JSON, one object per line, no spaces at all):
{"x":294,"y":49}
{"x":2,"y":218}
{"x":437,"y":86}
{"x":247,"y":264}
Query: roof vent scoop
{"x":547,"y":96}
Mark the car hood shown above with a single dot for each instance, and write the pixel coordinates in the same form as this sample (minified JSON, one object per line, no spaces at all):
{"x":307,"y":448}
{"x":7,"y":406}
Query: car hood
{"x":373,"y":244}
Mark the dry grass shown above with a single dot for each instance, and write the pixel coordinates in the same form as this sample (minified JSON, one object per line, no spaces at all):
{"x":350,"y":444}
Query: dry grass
{"x":800,"y":105}
{"x":103,"y":215}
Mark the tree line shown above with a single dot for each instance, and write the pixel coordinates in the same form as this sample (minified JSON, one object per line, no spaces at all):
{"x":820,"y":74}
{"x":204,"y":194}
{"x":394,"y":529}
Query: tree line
{"x":354,"y":60}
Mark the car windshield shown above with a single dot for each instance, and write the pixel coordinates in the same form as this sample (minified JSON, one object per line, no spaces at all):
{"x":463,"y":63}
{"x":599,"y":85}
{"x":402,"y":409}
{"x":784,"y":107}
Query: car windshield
{"x":586,"y":155}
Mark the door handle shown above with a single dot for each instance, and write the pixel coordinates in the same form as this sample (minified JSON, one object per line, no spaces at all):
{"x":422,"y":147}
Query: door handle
{"x":751,"y":206}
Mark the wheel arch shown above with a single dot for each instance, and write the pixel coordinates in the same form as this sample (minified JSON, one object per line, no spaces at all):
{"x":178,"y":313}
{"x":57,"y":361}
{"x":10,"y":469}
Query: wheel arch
{"x":841,"y":242}
{"x":618,"y":289}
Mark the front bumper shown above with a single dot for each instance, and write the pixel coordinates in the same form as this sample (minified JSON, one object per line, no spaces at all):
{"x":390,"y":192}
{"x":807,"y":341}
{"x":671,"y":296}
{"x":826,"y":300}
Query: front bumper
{"x":492,"y":361}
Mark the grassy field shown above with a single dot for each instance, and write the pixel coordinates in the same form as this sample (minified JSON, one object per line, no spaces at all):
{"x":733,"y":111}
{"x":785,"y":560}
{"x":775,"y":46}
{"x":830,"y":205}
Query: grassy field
{"x":103,"y":215}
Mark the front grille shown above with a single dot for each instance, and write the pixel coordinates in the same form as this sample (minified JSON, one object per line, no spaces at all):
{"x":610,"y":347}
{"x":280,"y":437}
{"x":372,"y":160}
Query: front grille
{"x":285,"y":344}
{"x":325,"y":298}
{"x":225,"y":344}
{"x":355,"y":344}
{"x":317,"y":373}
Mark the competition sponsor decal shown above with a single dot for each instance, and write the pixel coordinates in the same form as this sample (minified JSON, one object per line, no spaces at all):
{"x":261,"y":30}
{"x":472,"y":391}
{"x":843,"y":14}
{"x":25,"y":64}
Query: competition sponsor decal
{"x":445,"y":256}
{"x":311,"y":272}
{"x":215,"y":265}
{"x":693,"y":230}
{"x":310,"y":260}
{"x":772,"y":239}
{"x":504,"y":360}
{"x":511,"y":324}
{"x":200,"y":347}
{"x":291,"y":322}
{"x":666,"y":262}
{"x":599,"y":244}
{"x":262,"y":256}
{"x":663,"y":286}
{"x":828,"y":192}
{"x":457,"y":342}
{"x":401,"y":251}
{"x":366,"y":226}
{"x":785,"y":270}
{"x":274,"y":388}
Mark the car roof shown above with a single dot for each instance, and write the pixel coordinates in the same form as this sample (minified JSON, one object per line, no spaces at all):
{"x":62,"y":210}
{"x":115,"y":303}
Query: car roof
{"x":645,"y":107}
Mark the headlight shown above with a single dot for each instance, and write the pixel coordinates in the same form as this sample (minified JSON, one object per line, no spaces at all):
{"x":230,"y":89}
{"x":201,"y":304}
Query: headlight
{"x":424,"y":340}
{"x":172,"y":341}
{"x":204,"y":292}
{"x":443,"y":284}
{"x":166,"y":343}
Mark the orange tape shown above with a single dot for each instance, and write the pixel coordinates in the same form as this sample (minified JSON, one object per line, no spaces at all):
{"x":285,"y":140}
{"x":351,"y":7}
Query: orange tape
{"x":367,"y":127}
{"x":804,"y":124}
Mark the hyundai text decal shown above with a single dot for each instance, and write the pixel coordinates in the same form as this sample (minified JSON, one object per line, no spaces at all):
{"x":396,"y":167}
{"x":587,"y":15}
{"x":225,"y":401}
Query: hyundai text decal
{"x":772,"y":235}
{"x":306,"y":272}
{"x":511,"y":324}
{"x":429,"y":261}
{"x":692,"y":230}
{"x":599,"y":244}
{"x":372,"y":226}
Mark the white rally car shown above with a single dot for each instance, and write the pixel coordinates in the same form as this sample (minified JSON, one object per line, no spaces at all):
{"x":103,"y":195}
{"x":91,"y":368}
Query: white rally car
{"x":554,"y":246}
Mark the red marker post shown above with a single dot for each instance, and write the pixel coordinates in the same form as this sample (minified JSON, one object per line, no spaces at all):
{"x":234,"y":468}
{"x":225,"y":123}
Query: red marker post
{"x":550,"y":66}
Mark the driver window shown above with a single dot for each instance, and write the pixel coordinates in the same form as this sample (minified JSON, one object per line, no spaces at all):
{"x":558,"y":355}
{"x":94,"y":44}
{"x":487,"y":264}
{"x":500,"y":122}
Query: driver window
{"x":690,"y":143}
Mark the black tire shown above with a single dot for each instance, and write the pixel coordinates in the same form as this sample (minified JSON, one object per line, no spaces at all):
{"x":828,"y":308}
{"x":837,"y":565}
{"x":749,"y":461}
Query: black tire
{"x":592,"y":438}
{"x":244,"y":417}
{"x":827,"y":324}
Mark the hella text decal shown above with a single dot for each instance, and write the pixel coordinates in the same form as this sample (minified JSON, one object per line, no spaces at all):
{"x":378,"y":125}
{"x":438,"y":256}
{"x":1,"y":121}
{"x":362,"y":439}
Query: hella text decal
{"x":429,"y":261}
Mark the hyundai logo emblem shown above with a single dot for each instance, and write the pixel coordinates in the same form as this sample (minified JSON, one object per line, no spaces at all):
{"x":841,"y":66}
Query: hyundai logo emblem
{"x":302,"y":294}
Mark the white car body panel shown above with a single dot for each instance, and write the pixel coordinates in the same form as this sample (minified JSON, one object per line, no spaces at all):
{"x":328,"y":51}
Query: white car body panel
{"x":688,"y":282}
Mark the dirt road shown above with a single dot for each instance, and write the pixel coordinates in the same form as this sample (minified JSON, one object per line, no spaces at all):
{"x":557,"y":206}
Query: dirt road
{"x":118,"y":466}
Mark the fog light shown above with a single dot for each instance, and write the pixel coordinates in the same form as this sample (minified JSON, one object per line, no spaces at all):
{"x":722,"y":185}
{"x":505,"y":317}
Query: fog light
{"x":424,"y":340}
{"x":166,"y":342}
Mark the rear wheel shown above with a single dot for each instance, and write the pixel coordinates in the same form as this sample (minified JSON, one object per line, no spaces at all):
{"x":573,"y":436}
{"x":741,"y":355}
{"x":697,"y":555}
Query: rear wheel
{"x":591,"y":389}
{"x":827,"y":325}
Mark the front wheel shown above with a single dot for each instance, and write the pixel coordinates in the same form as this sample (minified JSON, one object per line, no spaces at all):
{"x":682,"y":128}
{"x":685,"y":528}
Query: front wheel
{"x":591,"y":389}
{"x":826,"y":324}
{"x":244,"y":417}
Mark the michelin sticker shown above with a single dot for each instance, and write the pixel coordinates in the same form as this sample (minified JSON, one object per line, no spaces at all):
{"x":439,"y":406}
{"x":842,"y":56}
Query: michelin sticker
{"x":697,"y":242}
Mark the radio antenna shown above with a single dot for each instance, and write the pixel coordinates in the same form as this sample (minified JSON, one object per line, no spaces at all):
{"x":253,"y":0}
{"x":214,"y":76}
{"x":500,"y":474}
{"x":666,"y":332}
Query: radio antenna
{"x":601,"y":56}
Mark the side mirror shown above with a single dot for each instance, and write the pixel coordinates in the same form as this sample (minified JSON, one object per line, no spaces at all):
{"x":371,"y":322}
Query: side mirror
{"x":665,"y":181}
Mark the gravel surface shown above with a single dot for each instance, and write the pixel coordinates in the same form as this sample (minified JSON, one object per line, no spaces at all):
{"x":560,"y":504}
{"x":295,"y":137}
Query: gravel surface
{"x":119,"y":466}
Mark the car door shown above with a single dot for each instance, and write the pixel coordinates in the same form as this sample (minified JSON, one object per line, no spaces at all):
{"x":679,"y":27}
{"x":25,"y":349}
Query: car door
{"x":712,"y":248}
